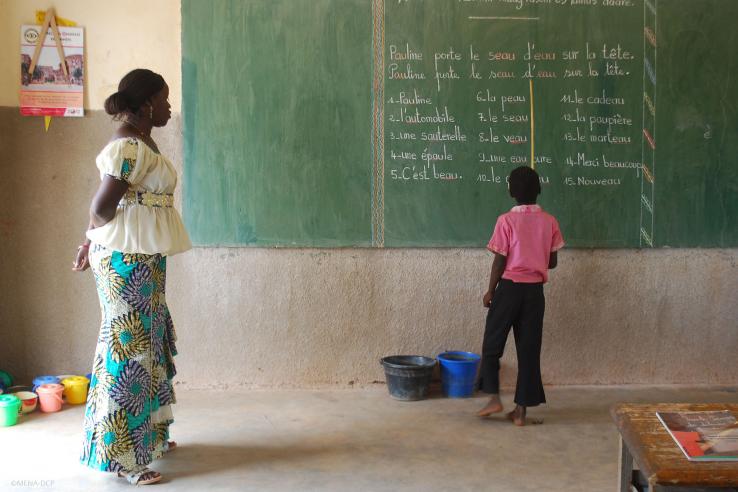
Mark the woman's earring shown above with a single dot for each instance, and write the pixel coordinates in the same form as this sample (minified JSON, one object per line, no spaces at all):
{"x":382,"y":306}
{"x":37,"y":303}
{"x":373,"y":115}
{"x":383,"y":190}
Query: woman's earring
{"x":151,"y":112}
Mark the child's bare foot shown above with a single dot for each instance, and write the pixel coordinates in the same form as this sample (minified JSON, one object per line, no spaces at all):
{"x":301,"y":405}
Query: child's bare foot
{"x":493,"y":406}
{"x":517,"y":416}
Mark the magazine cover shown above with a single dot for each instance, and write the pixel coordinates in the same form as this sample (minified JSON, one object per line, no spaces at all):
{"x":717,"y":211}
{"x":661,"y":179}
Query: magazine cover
{"x":46,"y":91}
{"x":703,"y":436}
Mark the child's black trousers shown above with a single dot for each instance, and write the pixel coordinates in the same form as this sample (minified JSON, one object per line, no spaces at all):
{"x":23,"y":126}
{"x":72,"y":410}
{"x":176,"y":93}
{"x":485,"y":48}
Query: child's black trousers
{"x":520,"y":306}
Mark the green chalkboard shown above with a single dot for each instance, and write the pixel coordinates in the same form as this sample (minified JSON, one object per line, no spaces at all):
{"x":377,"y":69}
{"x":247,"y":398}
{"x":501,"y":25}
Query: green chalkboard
{"x":697,"y":124}
{"x":277,"y":101}
{"x":395,"y":123}
{"x":544,"y":65}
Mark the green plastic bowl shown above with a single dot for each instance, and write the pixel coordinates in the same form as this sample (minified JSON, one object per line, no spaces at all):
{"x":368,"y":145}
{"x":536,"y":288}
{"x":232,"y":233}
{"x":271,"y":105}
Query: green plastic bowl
{"x":6,"y":379}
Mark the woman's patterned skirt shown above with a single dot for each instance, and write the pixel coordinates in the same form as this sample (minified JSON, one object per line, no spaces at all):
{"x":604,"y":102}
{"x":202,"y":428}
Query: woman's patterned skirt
{"x":128,"y":410}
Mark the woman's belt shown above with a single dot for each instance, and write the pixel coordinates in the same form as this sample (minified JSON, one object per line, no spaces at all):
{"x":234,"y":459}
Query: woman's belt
{"x":147,"y":199}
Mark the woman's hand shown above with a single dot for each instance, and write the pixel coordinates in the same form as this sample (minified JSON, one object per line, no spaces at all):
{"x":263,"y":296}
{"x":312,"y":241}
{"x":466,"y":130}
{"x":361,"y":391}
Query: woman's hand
{"x":488,"y":299}
{"x":82,"y":262}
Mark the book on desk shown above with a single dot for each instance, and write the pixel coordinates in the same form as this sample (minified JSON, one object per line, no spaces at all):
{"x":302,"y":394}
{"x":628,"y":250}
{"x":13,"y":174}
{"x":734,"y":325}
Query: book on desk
{"x":703,"y":436}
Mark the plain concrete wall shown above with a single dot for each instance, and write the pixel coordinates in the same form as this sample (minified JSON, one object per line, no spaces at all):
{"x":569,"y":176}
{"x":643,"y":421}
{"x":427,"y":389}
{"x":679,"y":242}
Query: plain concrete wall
{"x":315,"y":317}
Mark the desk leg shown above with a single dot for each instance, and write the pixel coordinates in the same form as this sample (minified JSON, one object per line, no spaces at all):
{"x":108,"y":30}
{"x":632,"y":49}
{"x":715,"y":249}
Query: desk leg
{"x":626,"y":468}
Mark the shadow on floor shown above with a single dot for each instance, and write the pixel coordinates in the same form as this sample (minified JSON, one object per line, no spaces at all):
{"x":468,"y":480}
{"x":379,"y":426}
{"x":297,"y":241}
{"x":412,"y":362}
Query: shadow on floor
{"x":198,"y":459}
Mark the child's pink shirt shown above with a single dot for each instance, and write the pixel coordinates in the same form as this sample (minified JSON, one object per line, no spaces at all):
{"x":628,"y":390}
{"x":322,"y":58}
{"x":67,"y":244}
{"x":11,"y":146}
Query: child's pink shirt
{"x":527,"y":236}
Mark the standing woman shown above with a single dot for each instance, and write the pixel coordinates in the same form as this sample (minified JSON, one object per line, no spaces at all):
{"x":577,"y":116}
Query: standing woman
{"x":133,"y":229}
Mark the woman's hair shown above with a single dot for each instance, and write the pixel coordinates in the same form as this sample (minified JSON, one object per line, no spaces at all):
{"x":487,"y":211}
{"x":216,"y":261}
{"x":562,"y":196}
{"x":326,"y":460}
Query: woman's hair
{"x":525,"y":185}
{"x":137,"y":87}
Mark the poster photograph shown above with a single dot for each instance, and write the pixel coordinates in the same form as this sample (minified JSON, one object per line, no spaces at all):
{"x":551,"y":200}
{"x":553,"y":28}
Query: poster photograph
{"x":47,"y":91}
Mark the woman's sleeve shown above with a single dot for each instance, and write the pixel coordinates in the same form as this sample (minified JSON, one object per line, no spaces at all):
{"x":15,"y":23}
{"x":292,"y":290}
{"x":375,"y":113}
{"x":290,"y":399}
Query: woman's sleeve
{"x":122,"y":160}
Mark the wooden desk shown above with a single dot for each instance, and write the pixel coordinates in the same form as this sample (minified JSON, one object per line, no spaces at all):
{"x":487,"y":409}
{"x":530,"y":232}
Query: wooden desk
{"x":644,"y":439}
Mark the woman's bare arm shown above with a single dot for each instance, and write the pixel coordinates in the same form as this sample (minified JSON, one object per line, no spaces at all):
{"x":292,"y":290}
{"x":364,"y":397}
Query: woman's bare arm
{"x":105,"y":201}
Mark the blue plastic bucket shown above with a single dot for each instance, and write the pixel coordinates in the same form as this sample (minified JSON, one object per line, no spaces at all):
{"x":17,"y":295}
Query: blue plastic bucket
{"x":38,"y":381}
{"x":458,"y":373}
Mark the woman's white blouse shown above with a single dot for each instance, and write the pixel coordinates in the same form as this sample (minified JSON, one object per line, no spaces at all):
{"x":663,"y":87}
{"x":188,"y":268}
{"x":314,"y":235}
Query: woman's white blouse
{"x":139,"y":228}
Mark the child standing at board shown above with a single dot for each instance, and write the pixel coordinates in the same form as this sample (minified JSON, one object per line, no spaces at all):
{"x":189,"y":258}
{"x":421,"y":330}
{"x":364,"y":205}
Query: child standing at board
{"x":524,"y":242}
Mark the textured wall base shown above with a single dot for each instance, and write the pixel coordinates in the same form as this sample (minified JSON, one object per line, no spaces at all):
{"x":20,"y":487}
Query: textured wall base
{"x":312,"y":318}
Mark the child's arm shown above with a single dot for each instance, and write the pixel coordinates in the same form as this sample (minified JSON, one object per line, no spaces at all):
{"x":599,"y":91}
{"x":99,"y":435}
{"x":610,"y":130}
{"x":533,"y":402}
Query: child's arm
{"x":553,"y":260}
{"x":498,"y":268}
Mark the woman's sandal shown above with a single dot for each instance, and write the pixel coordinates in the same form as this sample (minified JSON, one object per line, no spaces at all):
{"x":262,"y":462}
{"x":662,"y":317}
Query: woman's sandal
{"x":146,"y":476}
{"x":143,"y":477}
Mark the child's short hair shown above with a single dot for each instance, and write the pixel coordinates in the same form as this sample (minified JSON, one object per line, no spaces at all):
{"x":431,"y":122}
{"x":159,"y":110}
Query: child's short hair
{"x":525,"y":185}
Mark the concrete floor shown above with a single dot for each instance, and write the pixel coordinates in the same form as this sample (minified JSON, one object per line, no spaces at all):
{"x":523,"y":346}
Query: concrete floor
{"x":351,"y":440}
